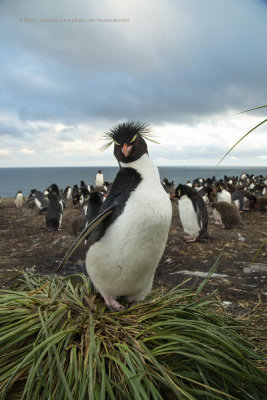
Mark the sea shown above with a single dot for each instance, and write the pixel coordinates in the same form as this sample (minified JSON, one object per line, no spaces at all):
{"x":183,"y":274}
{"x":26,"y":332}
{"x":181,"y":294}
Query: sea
{"x":26,"y":179}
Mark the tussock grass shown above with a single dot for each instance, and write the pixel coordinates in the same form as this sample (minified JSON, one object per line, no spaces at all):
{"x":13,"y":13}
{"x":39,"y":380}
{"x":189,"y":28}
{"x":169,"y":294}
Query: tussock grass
{"x":58,"y":341}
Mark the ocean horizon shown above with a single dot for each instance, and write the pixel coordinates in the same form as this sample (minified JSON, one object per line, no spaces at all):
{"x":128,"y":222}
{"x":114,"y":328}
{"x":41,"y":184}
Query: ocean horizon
{"x":13,"y":179}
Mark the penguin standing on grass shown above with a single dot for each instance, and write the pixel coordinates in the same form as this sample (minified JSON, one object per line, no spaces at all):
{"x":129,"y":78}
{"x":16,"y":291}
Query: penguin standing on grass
{"x":132,"y":227}
{"x":193,"y":213}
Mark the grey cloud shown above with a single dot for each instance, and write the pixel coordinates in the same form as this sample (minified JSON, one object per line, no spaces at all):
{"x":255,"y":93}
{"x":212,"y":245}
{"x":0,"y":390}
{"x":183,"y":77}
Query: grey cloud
{"x":155,"y":72}
{"x":174,"y":62}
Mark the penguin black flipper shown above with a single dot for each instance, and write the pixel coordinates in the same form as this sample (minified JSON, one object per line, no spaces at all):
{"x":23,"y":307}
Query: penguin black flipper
{"x":84,"y":234}
{"x":202,"y":215}
{"x":126,"y":181}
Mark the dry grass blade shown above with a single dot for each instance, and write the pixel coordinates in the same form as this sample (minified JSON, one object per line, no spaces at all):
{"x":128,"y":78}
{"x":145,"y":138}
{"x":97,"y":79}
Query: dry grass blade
{"x":253,"y":129}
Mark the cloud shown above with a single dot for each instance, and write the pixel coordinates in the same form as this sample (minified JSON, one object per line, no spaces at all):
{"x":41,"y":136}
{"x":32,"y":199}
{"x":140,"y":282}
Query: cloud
{"x":27,"y":151}
{"x":181,"y":66}
{"x":5,"y":152}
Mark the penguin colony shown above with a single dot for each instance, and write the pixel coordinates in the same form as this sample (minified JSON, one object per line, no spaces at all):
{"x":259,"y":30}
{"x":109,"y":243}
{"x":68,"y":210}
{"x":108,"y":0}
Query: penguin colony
{"x":133,"y":214}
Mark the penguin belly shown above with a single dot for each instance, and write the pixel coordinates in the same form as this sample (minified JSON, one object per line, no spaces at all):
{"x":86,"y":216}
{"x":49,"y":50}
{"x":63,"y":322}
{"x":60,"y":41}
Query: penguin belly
{"x":188,"y":217}
{"x":123,"y":262}
{"x":19,"y":200}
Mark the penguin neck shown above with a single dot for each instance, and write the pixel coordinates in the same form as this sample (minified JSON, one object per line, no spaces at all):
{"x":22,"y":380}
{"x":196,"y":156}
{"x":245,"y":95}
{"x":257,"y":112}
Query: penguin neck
{"x":144,"y":166}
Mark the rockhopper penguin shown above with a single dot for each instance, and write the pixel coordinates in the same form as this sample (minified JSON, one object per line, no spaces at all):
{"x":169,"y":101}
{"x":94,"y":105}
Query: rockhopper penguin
{"x":54,"y":212}
{"x":126,"y":246}
{"x":193,"y":213}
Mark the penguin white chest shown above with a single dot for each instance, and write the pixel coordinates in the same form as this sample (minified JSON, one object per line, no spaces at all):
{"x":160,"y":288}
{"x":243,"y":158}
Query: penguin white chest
{"x":188,"y":216}
{"x":19,"y":200}
{"x":224,"y":196}
{"x":123,"y":262}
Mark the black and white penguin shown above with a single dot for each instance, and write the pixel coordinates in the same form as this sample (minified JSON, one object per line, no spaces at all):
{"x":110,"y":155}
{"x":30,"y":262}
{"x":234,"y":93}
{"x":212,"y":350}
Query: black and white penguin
{"x":19,"y":199}
{"x":168,"y":186}
{"x":67,"y":193}
{"x":75,"y":195}
{"x":126,"y":247}
{"x":193,"y":213}
{"x":38,"y":198}
{"x":92,"y":206}
{"x":238,"y":197}
{"x":54,"y":212}
{"x":99,"y":178}
{"x":84,"y":195}
{"x":61,"y":198}
{"x":222,"y":193}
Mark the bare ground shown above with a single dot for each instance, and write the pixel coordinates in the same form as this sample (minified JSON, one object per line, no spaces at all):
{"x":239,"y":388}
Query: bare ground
{"x":26,"y":245}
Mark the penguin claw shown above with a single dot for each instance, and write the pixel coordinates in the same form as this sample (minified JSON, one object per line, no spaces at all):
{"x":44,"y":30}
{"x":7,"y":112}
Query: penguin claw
{"x":190,"y":240}
{"x":113,"y":305}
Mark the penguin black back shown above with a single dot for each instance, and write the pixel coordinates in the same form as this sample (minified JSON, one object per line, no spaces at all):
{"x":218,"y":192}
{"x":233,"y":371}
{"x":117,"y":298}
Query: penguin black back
{"x":200,"y":208}
{"x":54,"y":212}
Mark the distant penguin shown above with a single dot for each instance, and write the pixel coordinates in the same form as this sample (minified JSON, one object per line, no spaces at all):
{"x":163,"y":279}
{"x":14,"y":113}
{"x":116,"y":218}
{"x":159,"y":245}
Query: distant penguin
{"x":226,"y":215}
{"x":75,"y":195}
{"x":84,"y":195}
{"x":19,"y":199}
{"x":99,"y":179}
{"x":84,"y":186}
{"x":92,"y":206}
{"x":134,"y":221}
{"x":53,"y":188}
{"x":67,"y":193}
{"x":206,"y":192}
{"x":168,"y":186}
{"x":261,"y":204}
{"x":54,"y":212}
{"x":38,"y":198}
{"x":238,"y":198}
{"x":193,"y":213}
{"x":223,"y":194}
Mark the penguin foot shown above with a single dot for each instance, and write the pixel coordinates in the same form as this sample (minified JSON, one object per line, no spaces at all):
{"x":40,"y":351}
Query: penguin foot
{"x":190,"y":240}
{"x":187,"y":237}
{"x":113,"y":305}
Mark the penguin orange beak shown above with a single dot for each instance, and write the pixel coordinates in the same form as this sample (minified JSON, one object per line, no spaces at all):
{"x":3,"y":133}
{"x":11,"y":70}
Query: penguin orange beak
{"x":126,"y":150}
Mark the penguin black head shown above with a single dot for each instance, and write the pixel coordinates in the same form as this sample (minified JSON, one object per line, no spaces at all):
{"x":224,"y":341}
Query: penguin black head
{"x":184,"y":190}
{"x":53,"y":188}
{"x":128,"y":139}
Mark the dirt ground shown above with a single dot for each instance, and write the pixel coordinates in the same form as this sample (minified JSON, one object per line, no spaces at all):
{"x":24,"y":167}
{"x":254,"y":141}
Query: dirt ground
{"x":26,"y":245}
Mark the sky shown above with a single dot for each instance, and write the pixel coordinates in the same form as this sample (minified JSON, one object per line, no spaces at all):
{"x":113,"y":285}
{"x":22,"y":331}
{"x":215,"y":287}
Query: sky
{"x":71,"y":70}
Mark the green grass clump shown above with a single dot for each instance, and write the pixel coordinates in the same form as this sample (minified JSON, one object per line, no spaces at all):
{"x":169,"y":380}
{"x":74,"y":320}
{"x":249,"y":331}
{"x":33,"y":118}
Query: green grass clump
{"x":58,"y":341}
